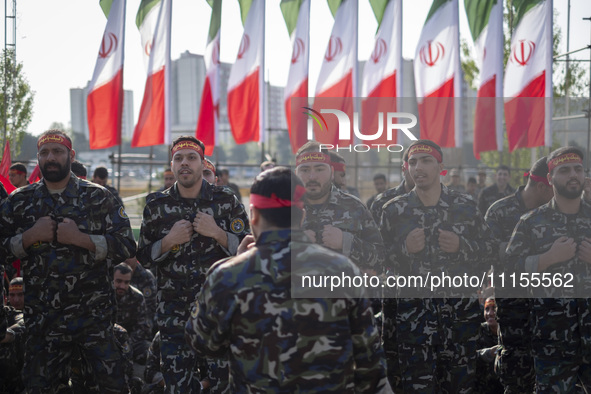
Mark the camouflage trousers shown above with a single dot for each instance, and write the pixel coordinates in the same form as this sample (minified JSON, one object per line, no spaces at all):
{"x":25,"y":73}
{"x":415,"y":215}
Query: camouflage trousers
{"x":48,"y":358}
{"x":515,"y":364}
{"x":178,"y":362}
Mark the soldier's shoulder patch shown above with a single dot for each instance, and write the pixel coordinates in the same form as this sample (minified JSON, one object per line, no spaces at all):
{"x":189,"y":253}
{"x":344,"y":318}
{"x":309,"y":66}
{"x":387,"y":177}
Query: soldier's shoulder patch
{"x":147,"y":292}
{"x":237,"y":225}
{"x":122,"y":213}
{"x":175,"y":248}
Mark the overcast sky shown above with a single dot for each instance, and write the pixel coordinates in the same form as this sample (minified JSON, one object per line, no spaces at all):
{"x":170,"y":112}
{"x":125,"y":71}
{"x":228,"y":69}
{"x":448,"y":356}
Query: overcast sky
{"x":58,"y":41}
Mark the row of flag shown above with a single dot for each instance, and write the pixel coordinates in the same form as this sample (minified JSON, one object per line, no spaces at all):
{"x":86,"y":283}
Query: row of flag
{"x":437,"y":72}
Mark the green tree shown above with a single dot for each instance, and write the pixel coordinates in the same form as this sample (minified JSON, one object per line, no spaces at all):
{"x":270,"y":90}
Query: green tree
{"x":16,"y":101}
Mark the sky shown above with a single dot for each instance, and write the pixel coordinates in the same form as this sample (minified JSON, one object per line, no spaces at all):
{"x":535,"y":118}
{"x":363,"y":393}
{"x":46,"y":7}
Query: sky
{"x":58,"y":41}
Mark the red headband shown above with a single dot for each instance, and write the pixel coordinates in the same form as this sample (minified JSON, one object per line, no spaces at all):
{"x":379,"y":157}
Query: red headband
{"x":564,"y":159}
{"x":18,"y":171}
{"x":208,"y":165}
{"x":537,"y":178}
{"x":17,"y":288}
{"x":53,"y":138}
{"x":338,"y":166}
{"x":187,"y":145}
{"x":489,"y":302}
{"x":422,"y":148}
{"x":313,"y":157}
{"x":263,"y":202}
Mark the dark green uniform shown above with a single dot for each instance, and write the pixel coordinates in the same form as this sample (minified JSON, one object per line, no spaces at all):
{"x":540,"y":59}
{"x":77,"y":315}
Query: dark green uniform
{"x":132,"y":314}
{"x":279,"y":343}
{"x":490,"y":194}
{"x":12,"y":355}
{"x":516,"y":366}
{"x":561,"y":325}
{"x":69,"y":300}
{"x":434,"y":339}
{"x":181,"y":271}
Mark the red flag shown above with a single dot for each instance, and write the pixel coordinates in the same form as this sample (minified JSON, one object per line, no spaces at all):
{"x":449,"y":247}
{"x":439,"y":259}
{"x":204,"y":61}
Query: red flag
{"x":35,"y":175}
{"x":7,"y":185}
{"x":6,"y":161}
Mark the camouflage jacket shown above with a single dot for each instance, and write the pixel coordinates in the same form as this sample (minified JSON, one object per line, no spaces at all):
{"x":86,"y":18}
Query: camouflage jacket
{"x":280,"y":343}
{"x":152,"y":373}
{"x":132,"y":315}
{"x":487,"y":381}
{"x":14,"y":352}
{"x":491,"y":194}
{"x":560,"y":314}
{"x":536,"y":232}
{"x":501,"y":218}
{"x":362,"y":242}
{"x":383,"y":198}
{"x":181,"y":271}
{"x":145,"y":282}
{"x":62,"y":280}
{"x":454,"y":212}
{"x":3,"y":193}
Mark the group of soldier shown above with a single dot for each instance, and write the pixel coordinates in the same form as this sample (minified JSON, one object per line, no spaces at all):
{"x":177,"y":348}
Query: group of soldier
{"x":227,"y":311}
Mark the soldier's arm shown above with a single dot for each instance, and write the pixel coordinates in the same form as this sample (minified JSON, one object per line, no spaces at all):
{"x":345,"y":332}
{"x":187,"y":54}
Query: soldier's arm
{"x":370,"y":365}
{"x":208,"y":328}
{"x":394,"y":240}
{"x":120,"y":244}
{"x":150,"y":242}
{"x":492,"y":220}
{"x":477,"y":244}
{"x":519,"y":249}
{"x":365,"y":246}
{"x":238,"y":229}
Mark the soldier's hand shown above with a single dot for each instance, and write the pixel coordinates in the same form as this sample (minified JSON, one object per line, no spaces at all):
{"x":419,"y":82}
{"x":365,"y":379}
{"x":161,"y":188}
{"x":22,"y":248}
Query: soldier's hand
{"x":180,"y":233}
{"x":563,"y":249}
{"x":449,"y":241}
{"x":247,"y":243}
{"x":332,"y":237}
{"x":68,"y":232}
{"x":42,"y":231}
{"x":415,"y":240}
{"x":205,"y":224}
{"x":584,"y":251}
{"x":311,"y":234}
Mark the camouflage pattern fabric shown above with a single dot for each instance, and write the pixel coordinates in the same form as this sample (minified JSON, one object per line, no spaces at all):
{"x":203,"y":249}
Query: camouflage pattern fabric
{"x":487,"y":381}
{"x":82,"y":380}
{"x":132,"y":315}
{"x":382,"y":198}
{"x":12,"y":355}
{"x":561,"y":326}
{"x":362,"y":242}
{"x":515,"y":364}
{"x":3,"y":193}
{"x":115,"y":193}
{"x":69,"y":297}
{"x":152,"y":372}
{"x":490,"y":194}
{"x":145,"y":281}
{"x":181,"y":271}
{"x":278,"y":343}
{"x":440,"y":332}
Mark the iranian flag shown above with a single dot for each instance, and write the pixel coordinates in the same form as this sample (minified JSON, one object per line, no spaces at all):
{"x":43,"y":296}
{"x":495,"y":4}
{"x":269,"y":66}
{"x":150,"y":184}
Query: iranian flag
{"x":485,"y":18}
{"x":528,"y":77}
{"x":297,"y":19}
{"x":382,"y":73}
{"x":104,"y":104}
{"x":246,"y":82}
{"x":337,"y":82}
{"x":153,"y":21}
{"x":207,"y":125}
{"x":438,"y":75}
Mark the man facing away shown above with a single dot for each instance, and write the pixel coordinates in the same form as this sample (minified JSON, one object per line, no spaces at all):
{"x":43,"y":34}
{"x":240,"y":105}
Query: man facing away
{"x":280,"y":339}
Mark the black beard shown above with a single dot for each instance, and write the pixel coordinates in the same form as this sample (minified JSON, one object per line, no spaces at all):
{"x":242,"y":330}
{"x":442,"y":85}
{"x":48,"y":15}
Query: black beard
{"x":56,"y":175}
{"x":570,"y":194}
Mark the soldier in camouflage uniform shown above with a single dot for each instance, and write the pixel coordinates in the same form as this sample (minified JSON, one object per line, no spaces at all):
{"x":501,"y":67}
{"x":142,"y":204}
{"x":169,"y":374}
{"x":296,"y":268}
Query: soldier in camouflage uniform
{"x":555,"y":239}
{"x":404,"y":187}
{"x":500,"y":189}
{"x":184,"y":231}
{"x":433,"y":230}
{"x":3,"y":193}
{"x":12,"y":351}
{"x":282,"y":339}
{"x":132,"y":313}
{"x":66,"y":232}
{"x":335,"y":219}
{"x":487,"y":381}
{"x":145,"y":281}
{"x":515,"y":364}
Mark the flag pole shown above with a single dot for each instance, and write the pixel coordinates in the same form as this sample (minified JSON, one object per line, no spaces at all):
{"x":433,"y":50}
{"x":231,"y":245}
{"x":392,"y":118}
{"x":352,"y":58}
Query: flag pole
{"x":263,"y":87}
